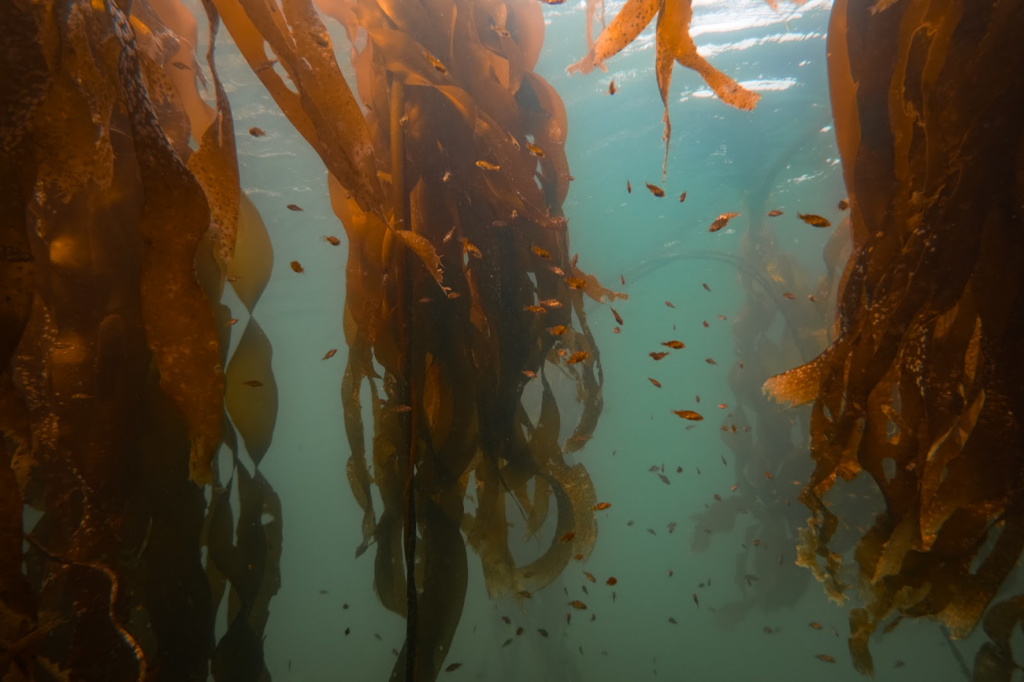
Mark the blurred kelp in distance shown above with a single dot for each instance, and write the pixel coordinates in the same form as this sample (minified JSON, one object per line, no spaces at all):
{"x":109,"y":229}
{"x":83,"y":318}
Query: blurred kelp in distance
{"x":922,"y":388}
{"x":117,"y":241}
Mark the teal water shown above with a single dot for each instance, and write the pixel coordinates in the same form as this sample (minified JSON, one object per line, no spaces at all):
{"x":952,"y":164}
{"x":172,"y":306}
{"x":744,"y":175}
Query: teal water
{"x":785,"y":152}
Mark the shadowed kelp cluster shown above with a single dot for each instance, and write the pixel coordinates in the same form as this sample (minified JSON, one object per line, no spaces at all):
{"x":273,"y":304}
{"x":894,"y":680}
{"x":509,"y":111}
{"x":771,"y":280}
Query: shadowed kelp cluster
{"x":922,"y":387}
{"x":117,"y":242}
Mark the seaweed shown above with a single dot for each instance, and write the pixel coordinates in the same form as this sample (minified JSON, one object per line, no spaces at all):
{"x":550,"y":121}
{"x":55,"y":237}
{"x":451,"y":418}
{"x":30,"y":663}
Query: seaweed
{"x":116,"y":250}
{"x":921,"y":388}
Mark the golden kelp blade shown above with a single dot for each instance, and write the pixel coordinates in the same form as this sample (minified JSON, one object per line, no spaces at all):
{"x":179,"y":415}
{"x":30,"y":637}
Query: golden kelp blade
{"x":176,"y":314}
{"x":633,"y":18}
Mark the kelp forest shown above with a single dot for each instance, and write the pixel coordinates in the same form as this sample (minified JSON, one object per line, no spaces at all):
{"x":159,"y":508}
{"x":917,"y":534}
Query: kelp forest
{"x":874,"y":426}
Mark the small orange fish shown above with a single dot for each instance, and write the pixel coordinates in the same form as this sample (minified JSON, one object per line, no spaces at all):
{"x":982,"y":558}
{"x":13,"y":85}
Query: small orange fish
{"x":436,"y":63}
{"x":590,"y":577}
{"x":233,"y":321}
{"x":669,"y":304}
{"x":525,"y":595}
{"x":722,"y":406}
{"x":257,"y":132}
{"x":296,"y":266}
{"x":704,"y":284}
{"x":710,"y":361}
{"x":293,"y":207}
{"x":814,"y":220}
{"x":629,"y":187}
{"x":815,"y":625}
{"x":788,"y":295}
{"x":611,"y":581}
{"x":568,"y":536}
{"x":557,"y":330}
{"x":659,"y":355}
{"x":826,"y":658}
{"x":329,"y":354}
{"x":718,"y":498}
{"x":721,"y":317}
{"x":470,"y":248}
{"x":551,"y":303}
{"x":535,"y":309}
{"x":578,"y":605}
{"x":557,"y":270}
{"x":562,"y":352}
{"x":618,"y":318}
{"x":529,"y":375}
{"x":757,"y":542}
{"x":655,"y":190}
{"x":774,"y":213}
{"x":601,"y":506}
{"x":677,"y":345}
{"x":682,"y":197}
{"x":453,"y":667}
{"x":535,"y":150}
{"x":611,"y":88}
{"x":768,"y":475}
{"x":688,"y":414}
{"x":578,"y":356}
{"x":332,"y":240}
{"x":843,"y":204}
{"x":576,"y":283}
{"x":810,"y":297}
{"x":448,"y":237}
{"x":578,"y":557}
{"x":615,"y":330}
{"x":721,"y":221}
{"x":487,"y":166}
{"x":655,"y":382}
{"x":543,"y":253}
{"x":706,"y":324}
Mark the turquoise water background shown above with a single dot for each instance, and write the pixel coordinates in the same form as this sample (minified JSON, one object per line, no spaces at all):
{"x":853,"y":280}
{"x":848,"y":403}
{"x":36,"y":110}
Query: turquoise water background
{"x":717,"y":154}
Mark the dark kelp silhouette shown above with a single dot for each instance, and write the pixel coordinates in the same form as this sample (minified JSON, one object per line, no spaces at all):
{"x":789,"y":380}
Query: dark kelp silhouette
{"x":922,"y":387}
{"x":117,"y":241}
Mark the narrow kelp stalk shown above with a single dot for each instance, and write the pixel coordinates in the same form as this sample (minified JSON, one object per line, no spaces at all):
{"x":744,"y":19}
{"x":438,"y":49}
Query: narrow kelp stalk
{"x":923,"y":387}
{"x":116,"y":243}
{"x":406,"y":389}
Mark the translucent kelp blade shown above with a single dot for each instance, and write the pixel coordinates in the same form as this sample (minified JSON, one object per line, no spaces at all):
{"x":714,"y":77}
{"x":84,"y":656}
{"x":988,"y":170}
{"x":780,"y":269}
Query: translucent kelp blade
{"x":633,"y":18}
{"x":253,"y":408}
{"x":215,"y":163}
{"x":253,"y":258}
{"x":675,"y":28}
